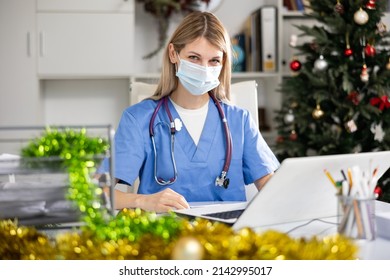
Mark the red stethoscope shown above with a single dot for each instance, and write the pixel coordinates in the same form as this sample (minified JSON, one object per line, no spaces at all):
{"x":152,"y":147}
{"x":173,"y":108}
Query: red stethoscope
{"x":221,"y":180}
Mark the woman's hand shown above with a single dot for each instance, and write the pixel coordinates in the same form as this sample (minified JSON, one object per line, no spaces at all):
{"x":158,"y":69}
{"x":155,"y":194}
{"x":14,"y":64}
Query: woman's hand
{"x":163,"y":201}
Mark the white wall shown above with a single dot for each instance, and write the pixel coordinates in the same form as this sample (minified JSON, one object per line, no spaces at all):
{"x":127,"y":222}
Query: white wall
{"x":101,"y":101}
{"x":232,"y":13}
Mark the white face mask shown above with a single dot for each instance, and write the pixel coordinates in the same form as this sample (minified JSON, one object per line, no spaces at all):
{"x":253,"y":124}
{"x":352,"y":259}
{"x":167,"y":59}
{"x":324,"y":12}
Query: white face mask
{"x":198,"y":79}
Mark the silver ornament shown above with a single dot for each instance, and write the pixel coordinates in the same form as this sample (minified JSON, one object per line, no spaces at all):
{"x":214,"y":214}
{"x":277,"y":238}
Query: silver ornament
{"x":289,"y":117}
{"x":320,"y":64}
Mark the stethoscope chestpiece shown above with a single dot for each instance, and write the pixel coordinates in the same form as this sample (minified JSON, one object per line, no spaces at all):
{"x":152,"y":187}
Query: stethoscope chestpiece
{"x":222,"y":181}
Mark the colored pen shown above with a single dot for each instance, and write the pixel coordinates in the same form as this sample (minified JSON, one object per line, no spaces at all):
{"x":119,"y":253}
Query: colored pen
{"x":350,"y":177}
{"x":375,"y":171}
{"x":330,"y":177}
{"x":343,"y":173}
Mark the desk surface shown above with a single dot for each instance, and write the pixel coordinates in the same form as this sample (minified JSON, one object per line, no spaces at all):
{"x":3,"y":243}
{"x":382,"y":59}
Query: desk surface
{"x":378,"y":249}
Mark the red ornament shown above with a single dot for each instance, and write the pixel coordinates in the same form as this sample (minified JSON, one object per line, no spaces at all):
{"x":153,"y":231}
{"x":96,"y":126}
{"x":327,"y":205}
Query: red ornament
{"x":280,"y":139}
{"x":348,"y":52}
{"x":382,"y":102}
{"x":295,"y":65}
{"x":293,"y":135}
{"x":371,"y":5}
{"x":378,"y":191}
{"x":369,"y":50}
{"x":353,"y":96}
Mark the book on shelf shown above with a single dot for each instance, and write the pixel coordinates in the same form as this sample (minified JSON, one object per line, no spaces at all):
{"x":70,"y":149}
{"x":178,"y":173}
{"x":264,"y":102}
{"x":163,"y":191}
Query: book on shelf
{"x":307,"y":7}
{"x":239,"y":55}
{"x":297,"y":5}
{"x":300,"y":6}
{"x":293,"y":5}
{"x":287,"y":5}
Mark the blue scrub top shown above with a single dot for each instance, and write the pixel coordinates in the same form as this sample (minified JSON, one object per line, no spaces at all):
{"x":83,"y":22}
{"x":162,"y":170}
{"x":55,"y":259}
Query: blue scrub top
{"x":197,"y":166}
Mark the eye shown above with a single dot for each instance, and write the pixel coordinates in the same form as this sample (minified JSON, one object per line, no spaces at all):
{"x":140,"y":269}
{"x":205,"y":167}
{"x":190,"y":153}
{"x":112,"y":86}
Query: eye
{"x":193,"y":58}
{"x":215,"y":62}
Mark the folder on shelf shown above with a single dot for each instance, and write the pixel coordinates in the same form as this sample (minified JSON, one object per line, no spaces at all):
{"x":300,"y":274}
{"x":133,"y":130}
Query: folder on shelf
{"x":268,"y":38}
{"x":255,"y":41}
{"x":247,"y":31}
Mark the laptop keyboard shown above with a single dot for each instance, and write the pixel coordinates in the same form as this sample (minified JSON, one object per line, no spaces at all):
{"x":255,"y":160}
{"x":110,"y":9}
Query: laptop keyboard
{"x":226,"y":215}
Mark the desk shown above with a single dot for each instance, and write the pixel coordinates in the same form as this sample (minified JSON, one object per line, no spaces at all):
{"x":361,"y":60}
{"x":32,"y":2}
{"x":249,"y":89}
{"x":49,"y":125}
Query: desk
{"x":378,"y":249}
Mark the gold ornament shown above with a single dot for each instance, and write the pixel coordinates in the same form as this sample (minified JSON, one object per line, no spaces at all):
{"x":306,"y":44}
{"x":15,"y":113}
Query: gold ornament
{"x":294,"y":104}
{"x":388,"y":65}
{"x":317,"y":112}
{"x":188,"y":248}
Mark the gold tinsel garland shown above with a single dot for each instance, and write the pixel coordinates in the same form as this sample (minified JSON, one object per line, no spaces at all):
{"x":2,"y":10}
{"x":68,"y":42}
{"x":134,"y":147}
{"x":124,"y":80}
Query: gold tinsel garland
{"x":140,"y":235}
{"x":213,"y":241}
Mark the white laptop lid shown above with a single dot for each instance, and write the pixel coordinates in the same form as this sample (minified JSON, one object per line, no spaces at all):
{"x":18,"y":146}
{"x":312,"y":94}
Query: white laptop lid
{"x":299,"y":190}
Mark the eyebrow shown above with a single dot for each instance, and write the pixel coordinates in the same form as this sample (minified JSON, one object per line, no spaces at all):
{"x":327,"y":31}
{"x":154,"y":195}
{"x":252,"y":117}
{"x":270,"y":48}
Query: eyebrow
{"x":198,"y":54}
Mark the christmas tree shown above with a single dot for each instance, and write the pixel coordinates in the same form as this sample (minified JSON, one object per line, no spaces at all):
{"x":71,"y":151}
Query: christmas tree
{"x":337,"y":99}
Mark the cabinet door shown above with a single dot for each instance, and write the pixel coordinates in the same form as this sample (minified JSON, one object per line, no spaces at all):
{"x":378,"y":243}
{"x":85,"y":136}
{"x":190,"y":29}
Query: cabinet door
{"x":20,"y":102}
{"x":85,"y":5}
{"x":85,"y":45}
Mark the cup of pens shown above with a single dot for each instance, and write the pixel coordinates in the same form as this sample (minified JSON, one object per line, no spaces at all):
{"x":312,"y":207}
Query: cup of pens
{"x":356,"y":217}
{"x":356,"y":203}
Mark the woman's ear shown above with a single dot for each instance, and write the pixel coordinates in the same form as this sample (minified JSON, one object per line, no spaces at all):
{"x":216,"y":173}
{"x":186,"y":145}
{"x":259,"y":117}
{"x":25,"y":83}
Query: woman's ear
{"x":172,"y":53}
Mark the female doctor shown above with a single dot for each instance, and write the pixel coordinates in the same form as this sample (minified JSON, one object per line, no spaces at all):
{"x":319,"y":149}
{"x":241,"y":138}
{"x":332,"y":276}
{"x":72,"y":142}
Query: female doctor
{"x":187,"y":143}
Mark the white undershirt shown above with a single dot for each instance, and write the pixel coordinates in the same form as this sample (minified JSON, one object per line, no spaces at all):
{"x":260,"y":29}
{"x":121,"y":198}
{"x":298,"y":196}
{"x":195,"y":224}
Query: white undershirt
{"x":193,"y":119}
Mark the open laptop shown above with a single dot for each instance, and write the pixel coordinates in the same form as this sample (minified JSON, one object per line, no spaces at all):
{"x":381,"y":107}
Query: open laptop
{"x":299,"y":191}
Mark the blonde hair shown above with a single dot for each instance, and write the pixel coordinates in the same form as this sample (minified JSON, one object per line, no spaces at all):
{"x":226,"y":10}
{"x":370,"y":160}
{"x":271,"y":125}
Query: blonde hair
{"x":195,"y":25}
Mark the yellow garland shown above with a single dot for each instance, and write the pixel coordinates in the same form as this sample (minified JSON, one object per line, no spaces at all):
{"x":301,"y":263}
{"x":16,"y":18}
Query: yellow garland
{"x":216,"y":242}
{"x":139,"y":235}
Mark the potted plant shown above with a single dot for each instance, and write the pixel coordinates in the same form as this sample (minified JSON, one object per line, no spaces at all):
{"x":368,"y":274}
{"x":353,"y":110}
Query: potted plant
{"x":163,"y":10}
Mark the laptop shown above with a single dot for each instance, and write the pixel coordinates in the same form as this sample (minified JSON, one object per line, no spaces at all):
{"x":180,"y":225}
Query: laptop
{"x":298,"y":191}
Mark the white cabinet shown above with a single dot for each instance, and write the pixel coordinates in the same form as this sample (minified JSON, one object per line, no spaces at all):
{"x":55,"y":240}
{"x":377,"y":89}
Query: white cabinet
{"x":85,"y":38}
{"x":20,"y":101}
{"x":85,"y":5}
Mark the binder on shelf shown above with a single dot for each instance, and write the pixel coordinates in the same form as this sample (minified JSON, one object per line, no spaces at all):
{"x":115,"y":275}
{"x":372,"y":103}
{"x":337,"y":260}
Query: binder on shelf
{"x":247,"y":31}
{"x":268,"y":38}
{"x":261,"y":37}
{"x":256,"y":41}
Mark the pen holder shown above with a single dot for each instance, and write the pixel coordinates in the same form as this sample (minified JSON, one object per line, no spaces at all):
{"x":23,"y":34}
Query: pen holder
{"x":356,"y":217}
